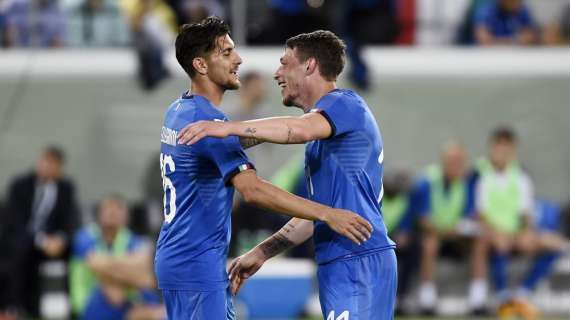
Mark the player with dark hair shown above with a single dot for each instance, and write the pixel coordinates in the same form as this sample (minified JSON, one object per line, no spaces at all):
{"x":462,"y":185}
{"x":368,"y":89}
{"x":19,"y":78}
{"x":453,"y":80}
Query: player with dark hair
{"x":506,"y":203}
{"x":343,"y":163}
{"x":198,"y":180}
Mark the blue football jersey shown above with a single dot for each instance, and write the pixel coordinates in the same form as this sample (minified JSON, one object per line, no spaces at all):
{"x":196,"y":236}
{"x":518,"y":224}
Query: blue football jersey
{"x":345,"y":171}
{"x":193,"y":242}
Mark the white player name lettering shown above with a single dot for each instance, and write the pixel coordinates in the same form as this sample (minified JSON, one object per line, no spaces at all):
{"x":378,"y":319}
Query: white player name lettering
{"x":169,"y":136}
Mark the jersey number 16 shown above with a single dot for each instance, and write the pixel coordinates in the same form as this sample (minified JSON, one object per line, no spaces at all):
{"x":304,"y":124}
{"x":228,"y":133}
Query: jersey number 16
{"x":166,"y":161}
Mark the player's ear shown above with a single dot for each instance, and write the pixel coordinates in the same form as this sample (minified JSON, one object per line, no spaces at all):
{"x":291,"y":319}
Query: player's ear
{"x":310,"y":66}
{"x":200,"y":65}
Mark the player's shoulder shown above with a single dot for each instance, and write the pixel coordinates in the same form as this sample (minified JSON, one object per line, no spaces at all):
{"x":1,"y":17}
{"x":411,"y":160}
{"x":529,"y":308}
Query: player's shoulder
{"x":205,"y":110}
{"x":191,"y":108}
{"x":346,"y":96}
{"x":349,"y":100}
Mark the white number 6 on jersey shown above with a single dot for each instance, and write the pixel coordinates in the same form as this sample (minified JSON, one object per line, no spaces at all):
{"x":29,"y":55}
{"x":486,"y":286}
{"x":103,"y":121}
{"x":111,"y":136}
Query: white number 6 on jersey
{"x":167,"y":161}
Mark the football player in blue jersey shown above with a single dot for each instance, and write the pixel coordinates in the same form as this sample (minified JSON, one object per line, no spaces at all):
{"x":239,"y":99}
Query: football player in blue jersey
{"x":343,"y":163}
{"x":199,"y":181}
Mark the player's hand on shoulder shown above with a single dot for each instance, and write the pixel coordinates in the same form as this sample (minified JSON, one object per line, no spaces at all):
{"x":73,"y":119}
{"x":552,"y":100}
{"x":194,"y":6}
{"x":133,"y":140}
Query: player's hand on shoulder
{"x":243,"y":267}
{"x":349,"y":224}
{"x":196,"y":131}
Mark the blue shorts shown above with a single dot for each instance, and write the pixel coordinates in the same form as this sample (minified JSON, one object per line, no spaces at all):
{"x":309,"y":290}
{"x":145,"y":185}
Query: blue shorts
{"x":199,"y":305}
{"x":362,"y":287}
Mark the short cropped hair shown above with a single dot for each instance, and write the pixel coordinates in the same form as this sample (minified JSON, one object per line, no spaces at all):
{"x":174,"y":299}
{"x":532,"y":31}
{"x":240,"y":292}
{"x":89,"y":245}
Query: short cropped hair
{"x":55,"y":152}
{"x":503,"y":133}
{"x":327,"y":49}
{"x":114,"y":198}
{"x":198,"y":39}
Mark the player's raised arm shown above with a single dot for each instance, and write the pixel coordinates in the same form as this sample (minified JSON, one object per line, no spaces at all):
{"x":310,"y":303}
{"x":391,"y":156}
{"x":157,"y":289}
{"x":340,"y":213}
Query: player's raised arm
{"x":283,"y":130}
{"x":263,"y":194}
{"x":295,"y":232}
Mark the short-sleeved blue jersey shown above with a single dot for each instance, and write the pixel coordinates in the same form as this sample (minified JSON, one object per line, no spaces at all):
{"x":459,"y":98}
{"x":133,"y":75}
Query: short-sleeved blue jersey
{"x":193,"y":242}
{"x":345,"y":171}
{"x":503,"y":24}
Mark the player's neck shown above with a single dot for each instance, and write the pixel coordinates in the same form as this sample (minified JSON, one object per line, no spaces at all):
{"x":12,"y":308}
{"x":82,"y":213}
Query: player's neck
{"x":109,"y":235}
{"x":316,"y":92}
{"x":209,"y":90}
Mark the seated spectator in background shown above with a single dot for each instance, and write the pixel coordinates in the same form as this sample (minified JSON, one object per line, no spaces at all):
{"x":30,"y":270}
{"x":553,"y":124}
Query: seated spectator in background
{"x":505,"y":202}
{"x":549,"y":245}
{"x":400,"y":222}
{"x":558,"y":32}
{"x":35,"y":23}
{"x":6,"y":267}
{"x":153,"y":25}
{"x":191,"y":11}
{"x":4,"y":5}
{"x":444,"y":202}
{"x":41,"y":218}
{"x":360,"y":17}
{"x":504,"y":22}
{"x":287,"y":18}
{"x":111,"y":273}
{"x":96,"y":23}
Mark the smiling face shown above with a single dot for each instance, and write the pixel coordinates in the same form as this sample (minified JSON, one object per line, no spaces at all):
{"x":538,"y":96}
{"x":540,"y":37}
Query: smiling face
{"x":223,"y":64}
{"x":290,"y":76}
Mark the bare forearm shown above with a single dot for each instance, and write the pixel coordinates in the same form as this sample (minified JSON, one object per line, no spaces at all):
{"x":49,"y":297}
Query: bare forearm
{"x":264,"y":194}
{"x":283,"y":130}
{"x":131,"y":271}
{"x":295,"y":232}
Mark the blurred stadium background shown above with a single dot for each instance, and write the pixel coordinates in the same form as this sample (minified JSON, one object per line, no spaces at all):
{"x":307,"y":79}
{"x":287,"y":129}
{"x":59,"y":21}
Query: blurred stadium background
{"x":93,"y":78}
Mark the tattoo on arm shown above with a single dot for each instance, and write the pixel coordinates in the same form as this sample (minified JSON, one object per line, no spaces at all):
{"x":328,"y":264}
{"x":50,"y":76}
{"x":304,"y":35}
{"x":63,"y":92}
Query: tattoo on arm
{"x":278,"y":242}
{"x":289,"y":132}
{"x":251,"y":132}
{"x":251,"y":140}
{"x":247,"y":143}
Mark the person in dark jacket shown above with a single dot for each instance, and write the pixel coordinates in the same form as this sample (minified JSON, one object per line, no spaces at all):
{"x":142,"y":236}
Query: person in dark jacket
{"x":42,"y":215}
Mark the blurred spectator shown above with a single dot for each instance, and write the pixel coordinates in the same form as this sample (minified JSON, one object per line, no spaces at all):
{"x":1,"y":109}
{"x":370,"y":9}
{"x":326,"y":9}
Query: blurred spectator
{"x":465,"y":34}
{"x":6,"y":267}
{"x":504,"y":22}
{"x":287,"y":18}
{"x":191,"y":11}
{"x":42,"y":215}
{"x":398,"y":216}
{"x":35,"y":23}
{"x":96,"y":23}
{"x":111,"y":273}
{"x":444,"y":202}
{"x":4,"y":5}
{"x":558,"y":32}
{"x":153,"y":25}
{"x":362,"y":16}
{"x":505,"y":201}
